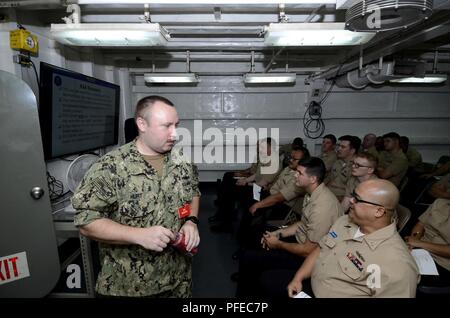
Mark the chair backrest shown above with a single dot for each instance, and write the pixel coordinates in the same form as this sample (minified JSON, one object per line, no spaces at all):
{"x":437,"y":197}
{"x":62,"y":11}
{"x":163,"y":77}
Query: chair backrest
{"x":290,"y":218}
{"x":403,"y":184}
{"x":131,"y":130}
{"x":403,"y":216}
{"x":423,"y":198}
{"x":433,"y":291}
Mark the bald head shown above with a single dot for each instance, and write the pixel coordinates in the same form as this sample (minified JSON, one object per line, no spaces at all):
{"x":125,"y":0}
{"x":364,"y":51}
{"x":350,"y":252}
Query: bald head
{"x":369,"y":141}
{"x":380,"y":191}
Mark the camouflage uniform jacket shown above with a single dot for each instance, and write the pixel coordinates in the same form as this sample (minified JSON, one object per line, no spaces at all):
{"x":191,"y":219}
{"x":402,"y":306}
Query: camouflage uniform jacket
{"x":123,"y":187}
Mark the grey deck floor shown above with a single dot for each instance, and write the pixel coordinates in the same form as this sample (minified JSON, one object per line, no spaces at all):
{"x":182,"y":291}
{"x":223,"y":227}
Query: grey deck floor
{"x":213,"y":265}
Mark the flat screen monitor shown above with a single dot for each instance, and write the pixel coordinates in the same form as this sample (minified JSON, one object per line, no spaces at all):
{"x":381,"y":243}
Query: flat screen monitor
{"x":77,"y":113}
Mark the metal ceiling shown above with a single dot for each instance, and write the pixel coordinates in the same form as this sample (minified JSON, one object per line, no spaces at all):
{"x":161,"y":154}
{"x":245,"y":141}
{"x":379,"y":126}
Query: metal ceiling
{"x":230,"y":32}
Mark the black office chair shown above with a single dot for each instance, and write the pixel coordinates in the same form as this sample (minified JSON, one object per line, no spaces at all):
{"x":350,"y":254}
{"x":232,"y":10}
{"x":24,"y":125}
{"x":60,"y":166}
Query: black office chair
{"x":403,"y":216}
{"x":403,"y":184}
{"x":432,"y":291}
{"x":131,"y":130}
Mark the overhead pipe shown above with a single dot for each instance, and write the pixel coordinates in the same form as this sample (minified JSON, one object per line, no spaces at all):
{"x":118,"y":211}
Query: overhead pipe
{"x":352,"y":79}
{"x":432,"y":29}
{"x":202,"y":57}
{"x":188,"y":62}
{"x":27,"y":3}
{"x":287,"y":62}
{"x":314,"y":13}
{"x":252,"y":63}
{"x":273,"y":59}
{"x":381,"y":73}
{"x":435,"y":62}
{"x":370,"y":74}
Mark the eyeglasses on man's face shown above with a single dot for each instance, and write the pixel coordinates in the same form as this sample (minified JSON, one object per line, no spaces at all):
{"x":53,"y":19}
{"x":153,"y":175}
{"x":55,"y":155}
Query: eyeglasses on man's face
{"x":358,"y":199}
{"x":357,"y":165}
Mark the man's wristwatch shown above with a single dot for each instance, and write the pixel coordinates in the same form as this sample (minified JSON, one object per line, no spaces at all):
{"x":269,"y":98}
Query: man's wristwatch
{"x":193,"y":219}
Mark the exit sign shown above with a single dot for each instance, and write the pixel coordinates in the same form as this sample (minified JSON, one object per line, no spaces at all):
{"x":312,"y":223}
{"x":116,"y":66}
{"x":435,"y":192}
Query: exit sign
{"x":13,"y":267}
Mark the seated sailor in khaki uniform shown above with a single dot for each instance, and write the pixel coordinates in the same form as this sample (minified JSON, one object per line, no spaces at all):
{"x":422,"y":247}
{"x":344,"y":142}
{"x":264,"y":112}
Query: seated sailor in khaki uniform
{"x":432,"y":233}
{"x":363,"y":168}
{"x":328,"y":151}
{"x":362,"y":255}
{"x":285,"y":248}
{"x":441,"y":189}
{"x":368,"y":145}
{"x":393,"y":163}
{"x":341,"y":171}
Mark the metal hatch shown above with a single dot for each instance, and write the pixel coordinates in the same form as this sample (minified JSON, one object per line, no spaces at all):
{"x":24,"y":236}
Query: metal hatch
{"x":27,"y":236}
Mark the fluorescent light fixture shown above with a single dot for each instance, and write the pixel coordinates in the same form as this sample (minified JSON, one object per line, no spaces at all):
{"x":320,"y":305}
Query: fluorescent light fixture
{"x":266,"y":78}
{"x":313,"y":34}
{"x":171,"y":78}
{"x":428,"y":78}
{"x":109,"y":34}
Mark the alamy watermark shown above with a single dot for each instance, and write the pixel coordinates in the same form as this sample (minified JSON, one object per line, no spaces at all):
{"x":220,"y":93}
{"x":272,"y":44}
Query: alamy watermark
{"x":232,"y":145}
{"x":373,"y":20}
{"x":374,"y":279}
{"x":74,"y":278}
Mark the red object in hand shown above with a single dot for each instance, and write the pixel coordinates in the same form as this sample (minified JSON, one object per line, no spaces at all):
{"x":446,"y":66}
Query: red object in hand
{"x":179,"y":244}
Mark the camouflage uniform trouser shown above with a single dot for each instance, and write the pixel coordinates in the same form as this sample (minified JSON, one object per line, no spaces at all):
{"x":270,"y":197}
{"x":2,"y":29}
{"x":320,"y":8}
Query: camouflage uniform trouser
{"x":183,"y":290}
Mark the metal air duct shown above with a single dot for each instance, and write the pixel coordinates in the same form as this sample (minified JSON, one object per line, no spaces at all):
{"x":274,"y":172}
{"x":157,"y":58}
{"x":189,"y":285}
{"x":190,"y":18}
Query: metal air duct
{"x":356,"y":79}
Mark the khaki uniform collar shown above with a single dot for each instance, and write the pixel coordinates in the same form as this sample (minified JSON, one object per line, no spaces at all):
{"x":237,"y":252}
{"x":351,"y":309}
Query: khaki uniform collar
{"x":397,"y":153}
{"x":350,"y":230}
{"x":373,"y":239}
{"x":376,"y":238}
{"x":315,"y":194}
{"x":347,"y":161}
{"x":369,"y":149}
{"x":327,"y":154}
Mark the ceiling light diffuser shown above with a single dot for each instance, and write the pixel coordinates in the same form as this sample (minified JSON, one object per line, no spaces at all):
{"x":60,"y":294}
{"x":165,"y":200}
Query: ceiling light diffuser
{"x":266,"y":78}
{"x":171,"y":78}
{"x":428,"y":78}
{"x":313,"y":34}
{"x":109,"y":34}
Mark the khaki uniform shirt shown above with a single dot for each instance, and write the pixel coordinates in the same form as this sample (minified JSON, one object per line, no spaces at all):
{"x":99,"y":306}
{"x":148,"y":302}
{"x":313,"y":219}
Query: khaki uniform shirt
{"x":374,"y":265}
{"x":353,"y":182}
{"x":437,"y":227}
{"x":285,"y":150}
{"x":414,"y":157}
{"x":445,"y":182}
{"x":328,"y":159}
{"x":267,"y":178}
{"x":339,"y":176}
{"x":397,"y":163}
{"x":253,"y":168}
{"x":123,"y":187}
{"x":373,"y":151}
{"x":285,"y":184}
{"x":320,"y":210}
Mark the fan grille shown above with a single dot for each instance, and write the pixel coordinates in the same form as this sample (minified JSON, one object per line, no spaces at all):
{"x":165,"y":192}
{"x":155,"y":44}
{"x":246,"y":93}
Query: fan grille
{"x":385,"y":15}
{"x":77,"y":169}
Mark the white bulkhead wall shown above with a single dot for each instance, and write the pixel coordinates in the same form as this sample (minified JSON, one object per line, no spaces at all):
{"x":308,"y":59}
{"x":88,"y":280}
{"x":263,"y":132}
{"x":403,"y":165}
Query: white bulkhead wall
{"x":421,"y":113}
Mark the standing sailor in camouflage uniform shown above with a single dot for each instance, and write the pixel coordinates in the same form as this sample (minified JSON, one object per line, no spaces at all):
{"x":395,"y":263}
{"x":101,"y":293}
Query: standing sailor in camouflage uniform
{"x":134,"y":200}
